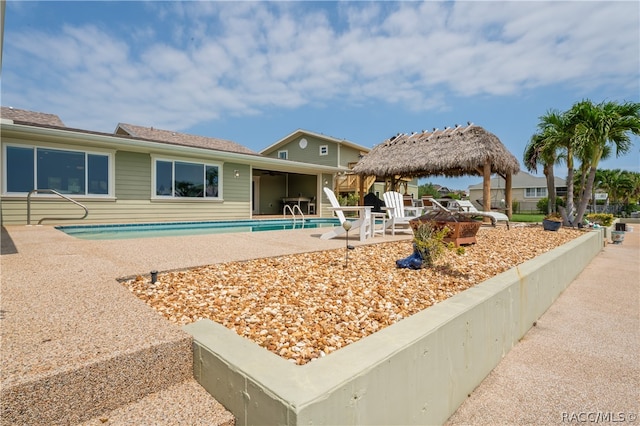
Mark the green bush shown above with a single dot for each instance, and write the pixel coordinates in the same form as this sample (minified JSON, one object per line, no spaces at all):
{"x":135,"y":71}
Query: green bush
{"x":429,"y":241}
{"x":543,"y":203}
{"x":627,"y":209}
{"x":604,"y":219}
{"x":350,"y":199}
{"x":515,"y":206}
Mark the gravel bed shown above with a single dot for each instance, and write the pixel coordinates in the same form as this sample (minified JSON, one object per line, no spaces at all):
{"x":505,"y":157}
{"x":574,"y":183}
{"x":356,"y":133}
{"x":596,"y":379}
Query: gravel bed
{"x":305,"y":306}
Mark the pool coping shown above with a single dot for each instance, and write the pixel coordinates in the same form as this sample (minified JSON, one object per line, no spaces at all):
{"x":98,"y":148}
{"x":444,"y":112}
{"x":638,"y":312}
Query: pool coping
{"x":416,"y":371}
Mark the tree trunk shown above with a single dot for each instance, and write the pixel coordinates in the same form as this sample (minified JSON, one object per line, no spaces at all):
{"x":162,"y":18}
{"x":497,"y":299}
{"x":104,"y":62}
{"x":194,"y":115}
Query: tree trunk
{"x":486,"y":186}
{"x":568,"y":216}
{"x":508,"y":194}
{"x":584,"y":200}
{"x":551,"y":188}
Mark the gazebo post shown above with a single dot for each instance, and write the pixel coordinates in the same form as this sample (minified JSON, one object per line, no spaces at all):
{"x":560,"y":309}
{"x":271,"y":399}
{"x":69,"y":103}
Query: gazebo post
{"x":486,"y":186}
{"x":508,"y":194}
{"x":361,"y":189}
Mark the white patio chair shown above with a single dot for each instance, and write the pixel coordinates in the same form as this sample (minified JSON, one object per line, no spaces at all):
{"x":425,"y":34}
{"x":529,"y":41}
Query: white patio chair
{"x":362,"y":222}
{"x":394,"y":205}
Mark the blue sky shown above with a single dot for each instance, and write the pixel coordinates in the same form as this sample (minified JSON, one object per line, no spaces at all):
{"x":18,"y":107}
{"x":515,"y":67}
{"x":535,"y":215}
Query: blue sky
{"x":253,"y":72}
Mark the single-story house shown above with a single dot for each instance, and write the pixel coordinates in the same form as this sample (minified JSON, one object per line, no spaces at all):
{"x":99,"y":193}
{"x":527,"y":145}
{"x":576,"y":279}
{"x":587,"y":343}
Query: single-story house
{"x":526,"y":189}
{"x":143,"y":174}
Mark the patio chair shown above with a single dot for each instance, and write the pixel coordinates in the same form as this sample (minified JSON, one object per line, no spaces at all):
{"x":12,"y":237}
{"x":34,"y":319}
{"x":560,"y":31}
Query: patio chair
{"x":396,"y":210}
{"x":362,"y":222}
{"x":468,"y":209}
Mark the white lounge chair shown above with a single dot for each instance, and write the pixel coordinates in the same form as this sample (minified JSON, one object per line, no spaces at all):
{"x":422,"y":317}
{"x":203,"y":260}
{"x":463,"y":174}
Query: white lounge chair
{"x":362,"y":222}
{"x":394,"y":205}
{"x":468,"y":209}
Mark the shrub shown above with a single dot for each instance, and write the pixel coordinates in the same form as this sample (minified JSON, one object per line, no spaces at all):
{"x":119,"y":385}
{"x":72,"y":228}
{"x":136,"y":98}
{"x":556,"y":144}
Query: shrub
{"x":428,"y":241}
{"x":604,"y":219}
{"x":554,"y":217}
{"x":543,"y":204}
{"x":350,"y":199}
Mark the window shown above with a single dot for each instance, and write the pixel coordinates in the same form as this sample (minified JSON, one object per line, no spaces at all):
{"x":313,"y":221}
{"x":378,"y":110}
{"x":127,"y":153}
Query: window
{"x":177,"y":179}
{"x":324,"y":149}
{"x":66,"y":171}
{"x":535,"y":192}
{"x":283,"y":155}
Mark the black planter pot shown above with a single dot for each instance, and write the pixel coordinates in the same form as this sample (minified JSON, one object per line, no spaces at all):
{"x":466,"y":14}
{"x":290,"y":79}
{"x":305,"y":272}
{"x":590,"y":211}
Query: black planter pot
{"x":550,"y":225}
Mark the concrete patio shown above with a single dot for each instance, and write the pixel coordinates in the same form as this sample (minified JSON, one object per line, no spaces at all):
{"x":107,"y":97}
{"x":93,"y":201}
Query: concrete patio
{"x":78,"y":348}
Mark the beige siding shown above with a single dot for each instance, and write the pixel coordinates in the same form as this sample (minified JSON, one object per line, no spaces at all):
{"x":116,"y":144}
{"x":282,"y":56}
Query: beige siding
{"x":123,"y":211}
{"x":348,"y":155}
{"x":133,"y":175}
{"x":310,"y":154}
{"x":236,"y":189}
{"x":133,"y":179}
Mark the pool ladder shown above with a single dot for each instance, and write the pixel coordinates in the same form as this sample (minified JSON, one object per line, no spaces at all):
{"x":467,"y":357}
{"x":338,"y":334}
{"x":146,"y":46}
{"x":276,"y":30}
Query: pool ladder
{"x":293,"y":210}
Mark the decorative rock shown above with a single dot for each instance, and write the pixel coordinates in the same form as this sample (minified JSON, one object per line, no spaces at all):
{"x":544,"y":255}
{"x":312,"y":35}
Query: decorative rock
{"x":306,"y":306}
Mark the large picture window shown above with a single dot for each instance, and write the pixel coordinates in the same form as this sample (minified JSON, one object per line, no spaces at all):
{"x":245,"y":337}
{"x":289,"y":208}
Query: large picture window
{"x":66,"y":171}
{"x":186,"y":179}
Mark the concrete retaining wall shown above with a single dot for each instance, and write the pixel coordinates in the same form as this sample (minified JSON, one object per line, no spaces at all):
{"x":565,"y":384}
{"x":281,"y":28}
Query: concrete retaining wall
{"x":417,"y":371}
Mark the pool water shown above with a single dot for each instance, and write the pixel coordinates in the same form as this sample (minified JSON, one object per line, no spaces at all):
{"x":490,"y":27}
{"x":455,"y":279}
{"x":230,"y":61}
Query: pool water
{"x":147,"y":230}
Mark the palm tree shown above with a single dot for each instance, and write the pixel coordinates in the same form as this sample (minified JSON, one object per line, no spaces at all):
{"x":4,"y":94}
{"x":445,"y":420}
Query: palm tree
{"x":539,"y":151}
{"x":598,"y":128}
{"x":552,"y":144}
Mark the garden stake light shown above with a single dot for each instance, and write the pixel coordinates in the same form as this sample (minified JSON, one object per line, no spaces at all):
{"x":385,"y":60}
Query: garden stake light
{"x":347,"y":225}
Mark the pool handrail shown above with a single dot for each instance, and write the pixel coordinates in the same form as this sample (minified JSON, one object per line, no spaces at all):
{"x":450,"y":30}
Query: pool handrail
{"x":293,"y":212}
{"x":54,"y":192}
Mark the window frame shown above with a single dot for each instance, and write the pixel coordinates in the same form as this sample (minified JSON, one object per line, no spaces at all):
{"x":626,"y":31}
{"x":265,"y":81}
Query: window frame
{"x":323,"y":150}
{"x":173,"y":160}
{"x":540,"y":192}
{"x":109,"y":154}
{"x":286,"y":154}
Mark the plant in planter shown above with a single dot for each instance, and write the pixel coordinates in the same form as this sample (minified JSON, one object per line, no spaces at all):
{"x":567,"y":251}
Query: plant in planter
{"x":428,"y":246}
{"x":462,"y":228}
{"x":552,"y":222}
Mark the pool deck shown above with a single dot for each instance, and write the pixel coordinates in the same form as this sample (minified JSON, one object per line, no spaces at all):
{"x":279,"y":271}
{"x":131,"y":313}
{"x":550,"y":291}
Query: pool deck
{"x":77,"y":347}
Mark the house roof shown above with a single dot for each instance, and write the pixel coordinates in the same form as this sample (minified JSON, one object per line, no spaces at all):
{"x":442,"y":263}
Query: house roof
{"x":30,"y":117}
{"x":300,"y":133}
{"x":522,"y":180}
{"x":167,"y":136}
{"x":450,"y":152}
{"x":47,"y":130}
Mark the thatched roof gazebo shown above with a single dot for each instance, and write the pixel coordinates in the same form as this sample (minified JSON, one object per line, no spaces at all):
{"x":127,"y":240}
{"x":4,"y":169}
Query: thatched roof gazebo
{"x":452,"y":152}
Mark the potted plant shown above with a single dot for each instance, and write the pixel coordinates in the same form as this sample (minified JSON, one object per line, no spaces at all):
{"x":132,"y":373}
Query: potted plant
{"x":428,"y":245}
{"x":552,"y":222}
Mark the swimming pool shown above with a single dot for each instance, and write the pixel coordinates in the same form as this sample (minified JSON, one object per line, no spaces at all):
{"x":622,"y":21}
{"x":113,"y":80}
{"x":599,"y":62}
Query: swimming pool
{"x":167,"y":229}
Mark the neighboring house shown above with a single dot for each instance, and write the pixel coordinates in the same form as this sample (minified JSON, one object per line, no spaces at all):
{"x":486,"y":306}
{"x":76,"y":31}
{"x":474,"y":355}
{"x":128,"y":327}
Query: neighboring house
{"x":526,"y":189}
{"x":143,"y":174}
{"x":442,"y":190}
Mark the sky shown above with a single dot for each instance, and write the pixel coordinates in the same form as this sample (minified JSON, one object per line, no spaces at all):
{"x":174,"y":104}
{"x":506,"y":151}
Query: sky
{"x":254,"y":72}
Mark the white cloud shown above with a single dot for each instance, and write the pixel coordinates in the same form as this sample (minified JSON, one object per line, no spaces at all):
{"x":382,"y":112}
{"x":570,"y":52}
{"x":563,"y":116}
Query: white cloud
{"x":217,"y":58}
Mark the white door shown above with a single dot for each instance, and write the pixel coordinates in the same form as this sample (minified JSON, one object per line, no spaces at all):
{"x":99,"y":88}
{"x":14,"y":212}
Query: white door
{"x":255,"y":195}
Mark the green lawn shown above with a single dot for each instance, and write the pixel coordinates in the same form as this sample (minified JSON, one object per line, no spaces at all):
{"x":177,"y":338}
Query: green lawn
{"x":527,"y":217}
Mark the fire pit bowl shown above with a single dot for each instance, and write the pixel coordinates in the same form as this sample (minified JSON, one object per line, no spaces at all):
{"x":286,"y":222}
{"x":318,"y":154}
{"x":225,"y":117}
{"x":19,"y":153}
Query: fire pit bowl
{"x":463,"y":229}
